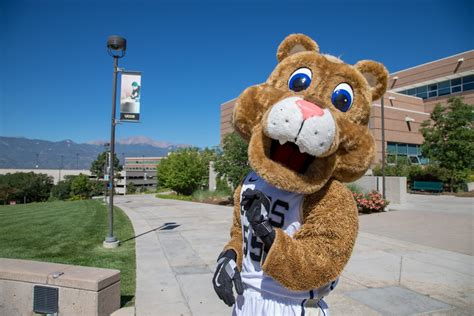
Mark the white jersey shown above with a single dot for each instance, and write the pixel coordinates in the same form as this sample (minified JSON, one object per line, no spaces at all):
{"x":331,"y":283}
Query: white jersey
{"x":285,"y":213}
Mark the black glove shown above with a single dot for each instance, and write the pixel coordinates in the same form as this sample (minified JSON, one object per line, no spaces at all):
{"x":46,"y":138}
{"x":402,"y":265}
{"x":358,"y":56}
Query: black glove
{"x":226,"y":272}
{"x":256,"y":206}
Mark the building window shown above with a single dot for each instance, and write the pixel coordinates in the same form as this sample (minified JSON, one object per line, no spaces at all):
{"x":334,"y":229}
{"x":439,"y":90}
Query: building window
{"x":468,"y":83}
{"x":442,"y":88}
{"x":405,"y":152}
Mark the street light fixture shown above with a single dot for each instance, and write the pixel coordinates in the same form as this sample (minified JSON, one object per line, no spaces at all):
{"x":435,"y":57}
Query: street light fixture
{"x":116,"y":47}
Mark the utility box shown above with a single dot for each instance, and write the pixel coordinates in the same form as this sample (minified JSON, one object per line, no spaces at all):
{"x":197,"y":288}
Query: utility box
{"x":29,"y":287}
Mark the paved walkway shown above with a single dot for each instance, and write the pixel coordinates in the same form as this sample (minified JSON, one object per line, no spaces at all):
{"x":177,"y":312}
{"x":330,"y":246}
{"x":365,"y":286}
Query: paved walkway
{"x":409,"y":261}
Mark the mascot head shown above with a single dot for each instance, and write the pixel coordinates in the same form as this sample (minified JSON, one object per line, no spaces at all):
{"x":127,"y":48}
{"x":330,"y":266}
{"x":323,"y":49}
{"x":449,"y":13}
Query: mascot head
{"x":308,"y":122}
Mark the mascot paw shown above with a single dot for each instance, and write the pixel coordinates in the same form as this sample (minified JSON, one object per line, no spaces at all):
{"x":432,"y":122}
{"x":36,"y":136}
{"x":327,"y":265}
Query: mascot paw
{"x":226,"y":274}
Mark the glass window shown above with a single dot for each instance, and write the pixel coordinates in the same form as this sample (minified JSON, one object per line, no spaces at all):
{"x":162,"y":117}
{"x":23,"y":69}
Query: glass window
{"x":444,"y":84}
{"x":412,"y":91}
{"x":455,"y":89}
{"x":433,"y":87}
{"x":444,"y":91}
{"x":433,"y":94}
{"x":402,"y":149}
{"x":468,"y":86}
{"x":392,"y":148}
{"x":468,"y":79}
{"x":422,"y":95}
{"x":421,"y":89}
{"x":412,"y":150}
{"x":403,"y":92}
{"x":456,"y":82}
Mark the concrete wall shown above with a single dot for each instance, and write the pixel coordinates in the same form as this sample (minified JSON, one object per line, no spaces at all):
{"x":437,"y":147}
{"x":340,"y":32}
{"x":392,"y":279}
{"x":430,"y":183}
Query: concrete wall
{"x":212,"y":177}
{"x":396,"y":187}
{"x":82,"y":290}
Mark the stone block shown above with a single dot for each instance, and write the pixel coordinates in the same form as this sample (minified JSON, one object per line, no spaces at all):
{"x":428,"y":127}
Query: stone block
{"x":396,"y":187}
{"x":82,"y":290}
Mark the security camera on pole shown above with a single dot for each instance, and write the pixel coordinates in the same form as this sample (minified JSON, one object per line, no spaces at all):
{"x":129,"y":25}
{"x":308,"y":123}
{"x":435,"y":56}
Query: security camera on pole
{"x":129,"y":107}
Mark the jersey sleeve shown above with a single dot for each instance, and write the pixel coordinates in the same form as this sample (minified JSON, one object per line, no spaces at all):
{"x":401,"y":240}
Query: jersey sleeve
{"x":235,"y":242}
{"x":319,"y":250}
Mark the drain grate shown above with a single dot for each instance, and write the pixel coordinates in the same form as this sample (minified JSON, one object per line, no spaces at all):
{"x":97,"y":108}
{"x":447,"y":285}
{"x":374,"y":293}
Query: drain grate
{"x":45,"y":299}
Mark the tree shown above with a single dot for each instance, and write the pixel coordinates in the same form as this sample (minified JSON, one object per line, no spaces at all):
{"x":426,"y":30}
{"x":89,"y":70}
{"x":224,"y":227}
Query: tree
{"x":183,"y":171}
{"x":62,"y":190}
{"x":81,"y":186}
{"x":233,"y":162}
{"x":98,"y":165}
{"x":131,"y":188}
{"x":449,"y":139}
{"x":22,"y":186}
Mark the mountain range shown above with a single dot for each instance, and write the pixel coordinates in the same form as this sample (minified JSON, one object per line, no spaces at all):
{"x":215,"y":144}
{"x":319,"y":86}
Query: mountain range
{"x":20,"y":152}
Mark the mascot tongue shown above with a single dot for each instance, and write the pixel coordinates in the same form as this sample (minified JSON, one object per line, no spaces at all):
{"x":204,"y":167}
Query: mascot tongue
{"x":290,"y":156}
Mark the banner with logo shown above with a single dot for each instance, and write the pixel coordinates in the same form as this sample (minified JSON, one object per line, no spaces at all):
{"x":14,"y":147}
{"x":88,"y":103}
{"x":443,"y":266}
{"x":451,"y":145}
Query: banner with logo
{"x":130,"y":93}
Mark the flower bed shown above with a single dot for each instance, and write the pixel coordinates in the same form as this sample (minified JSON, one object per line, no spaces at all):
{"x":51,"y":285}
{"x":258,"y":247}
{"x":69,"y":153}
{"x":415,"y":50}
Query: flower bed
{"x":370,"y":202}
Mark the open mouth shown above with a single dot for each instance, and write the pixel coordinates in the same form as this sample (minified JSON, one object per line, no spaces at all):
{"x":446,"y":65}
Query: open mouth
{"x":290,"y":156}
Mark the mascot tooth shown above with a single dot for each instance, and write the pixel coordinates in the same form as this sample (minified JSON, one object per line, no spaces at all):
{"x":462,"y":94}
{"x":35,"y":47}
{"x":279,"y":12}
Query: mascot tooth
{"x":295,"y":222}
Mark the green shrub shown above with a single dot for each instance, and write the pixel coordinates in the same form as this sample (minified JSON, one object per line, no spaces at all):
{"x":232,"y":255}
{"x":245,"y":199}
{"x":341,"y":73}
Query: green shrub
{"x":22,"y":186}
{"x":184,"y":171}
{"x":354,"y":188}
{"x":131,"y":188}
{"x":370,"y":202}
{"x":174,"y":197}
{"x":61,"y":191}
{"x":202,"y":195}
{"x":223,"y":186}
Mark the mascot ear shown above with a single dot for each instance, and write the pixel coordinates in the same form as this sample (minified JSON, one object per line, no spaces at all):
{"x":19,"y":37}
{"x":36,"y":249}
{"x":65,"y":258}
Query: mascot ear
{"x":376,"y":75}
{"x":296,"y":43}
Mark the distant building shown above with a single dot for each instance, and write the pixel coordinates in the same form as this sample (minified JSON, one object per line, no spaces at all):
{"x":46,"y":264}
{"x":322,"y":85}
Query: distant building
{"x":410,"y":98}
{"x":141,"y":171}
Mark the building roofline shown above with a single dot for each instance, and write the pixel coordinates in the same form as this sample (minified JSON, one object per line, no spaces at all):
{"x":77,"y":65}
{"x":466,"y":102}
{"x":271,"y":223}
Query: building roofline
{"x":432,"y":81}
{"x":231,"y":100}
{"x":431,"y":62}
{"x":404,"y":95}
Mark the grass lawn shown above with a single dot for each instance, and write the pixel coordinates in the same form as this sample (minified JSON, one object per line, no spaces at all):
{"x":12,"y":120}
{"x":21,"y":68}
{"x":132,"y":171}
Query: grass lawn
{"x":71,"y":233}
{"x":203,"y":196}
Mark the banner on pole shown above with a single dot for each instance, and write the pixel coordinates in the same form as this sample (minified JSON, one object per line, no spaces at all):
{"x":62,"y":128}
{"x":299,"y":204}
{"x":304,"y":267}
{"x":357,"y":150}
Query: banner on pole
{"x":130,"y":92}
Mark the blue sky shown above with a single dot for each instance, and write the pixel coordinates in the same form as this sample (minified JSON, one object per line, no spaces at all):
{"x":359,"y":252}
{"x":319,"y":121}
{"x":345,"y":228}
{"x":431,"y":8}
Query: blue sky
{"x":56,"y":76}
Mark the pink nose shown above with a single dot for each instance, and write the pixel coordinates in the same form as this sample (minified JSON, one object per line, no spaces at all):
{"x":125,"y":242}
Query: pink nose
{"x":309,"y":109}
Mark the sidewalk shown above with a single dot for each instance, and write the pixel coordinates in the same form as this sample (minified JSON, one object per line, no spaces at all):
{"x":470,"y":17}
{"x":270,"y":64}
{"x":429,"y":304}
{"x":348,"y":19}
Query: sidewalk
{"x":393,"y":271}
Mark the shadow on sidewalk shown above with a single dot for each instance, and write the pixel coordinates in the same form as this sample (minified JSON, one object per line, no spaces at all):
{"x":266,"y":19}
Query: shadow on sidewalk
{"x":165,"y":226}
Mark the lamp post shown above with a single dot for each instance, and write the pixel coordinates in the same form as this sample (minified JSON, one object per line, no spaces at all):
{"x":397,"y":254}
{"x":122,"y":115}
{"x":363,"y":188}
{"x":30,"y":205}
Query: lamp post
{"x":383,"y":144}
{"x":116,"y":46}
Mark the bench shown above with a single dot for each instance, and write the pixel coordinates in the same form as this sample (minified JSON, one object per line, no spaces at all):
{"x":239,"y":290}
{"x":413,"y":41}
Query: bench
{"x":26,"y":286}
{"x":428,"y":186}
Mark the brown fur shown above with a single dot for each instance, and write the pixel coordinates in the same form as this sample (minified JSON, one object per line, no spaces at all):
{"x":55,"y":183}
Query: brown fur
{"x":235,"y":242}
{"x":318,"y":252}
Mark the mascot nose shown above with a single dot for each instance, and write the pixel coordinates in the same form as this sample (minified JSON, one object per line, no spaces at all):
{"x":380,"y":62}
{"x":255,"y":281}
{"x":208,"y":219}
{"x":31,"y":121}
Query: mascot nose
{"x":309,"y":109}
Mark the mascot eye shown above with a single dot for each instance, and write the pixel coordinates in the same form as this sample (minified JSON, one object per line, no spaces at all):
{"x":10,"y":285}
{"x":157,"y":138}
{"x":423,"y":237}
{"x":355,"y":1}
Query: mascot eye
{"x":342,"y":97}
{"x":300,"y":79}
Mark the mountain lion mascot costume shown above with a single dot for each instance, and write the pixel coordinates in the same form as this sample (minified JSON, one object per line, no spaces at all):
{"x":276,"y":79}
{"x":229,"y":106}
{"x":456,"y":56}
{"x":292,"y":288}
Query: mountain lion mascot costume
{"x":295,"y":222}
